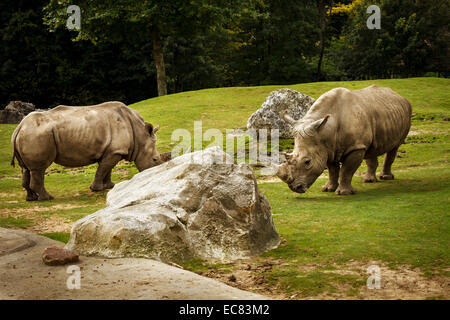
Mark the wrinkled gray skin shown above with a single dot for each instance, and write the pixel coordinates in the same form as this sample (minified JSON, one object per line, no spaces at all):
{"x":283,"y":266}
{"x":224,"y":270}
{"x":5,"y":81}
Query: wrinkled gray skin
{"x":78,"y":136}
{"x":345,"y":127}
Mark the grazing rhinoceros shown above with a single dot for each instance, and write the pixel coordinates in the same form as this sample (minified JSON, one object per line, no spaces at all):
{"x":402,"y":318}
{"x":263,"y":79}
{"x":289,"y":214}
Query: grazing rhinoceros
{"x":346,"y":127}
{"x":79,"y":136}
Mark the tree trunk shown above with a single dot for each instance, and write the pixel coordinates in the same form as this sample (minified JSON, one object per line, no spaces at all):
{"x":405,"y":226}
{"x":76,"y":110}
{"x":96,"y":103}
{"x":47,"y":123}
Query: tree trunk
{"x":158,"y":57}
{"x":322,"y":17}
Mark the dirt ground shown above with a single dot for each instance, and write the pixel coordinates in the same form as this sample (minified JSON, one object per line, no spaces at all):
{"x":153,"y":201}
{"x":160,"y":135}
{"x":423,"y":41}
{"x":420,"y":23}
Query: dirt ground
{"x":44,"y":224}
{"x":402,"y":283}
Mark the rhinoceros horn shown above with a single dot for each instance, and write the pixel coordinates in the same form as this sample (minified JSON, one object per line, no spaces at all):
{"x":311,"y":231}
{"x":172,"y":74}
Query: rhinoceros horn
{"x":288,"y":118}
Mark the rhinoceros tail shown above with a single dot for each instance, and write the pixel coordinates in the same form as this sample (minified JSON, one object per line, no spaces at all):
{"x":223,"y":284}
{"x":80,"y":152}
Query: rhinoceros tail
{"x":13,"y":142}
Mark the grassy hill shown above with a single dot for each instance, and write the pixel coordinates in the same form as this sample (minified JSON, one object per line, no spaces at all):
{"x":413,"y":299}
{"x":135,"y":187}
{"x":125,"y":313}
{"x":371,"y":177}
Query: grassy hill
{"x":328,"y":240}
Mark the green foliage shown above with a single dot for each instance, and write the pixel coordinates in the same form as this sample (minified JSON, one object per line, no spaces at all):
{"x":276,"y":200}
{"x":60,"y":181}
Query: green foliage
{"x":207,"y":45}
{"x":49,"y":69}
{"x":118,"y":20}
{"x":274,"y":42}
{"x":412,"y":40}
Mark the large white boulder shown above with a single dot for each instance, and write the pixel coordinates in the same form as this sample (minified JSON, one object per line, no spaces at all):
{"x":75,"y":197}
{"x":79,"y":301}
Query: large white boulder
{"x":199,"y":205}
{"x":269,"y":116}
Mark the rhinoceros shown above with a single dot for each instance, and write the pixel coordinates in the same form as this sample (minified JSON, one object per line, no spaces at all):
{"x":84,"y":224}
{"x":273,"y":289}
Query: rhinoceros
{"x":79,"y":136}
{"x":344,"y":127}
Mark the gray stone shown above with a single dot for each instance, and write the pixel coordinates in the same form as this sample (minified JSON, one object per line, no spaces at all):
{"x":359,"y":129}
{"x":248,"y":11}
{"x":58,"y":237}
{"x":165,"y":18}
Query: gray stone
{"x":15,"y":111}
{"x":199,"y":205}
{"x":269,"y":116}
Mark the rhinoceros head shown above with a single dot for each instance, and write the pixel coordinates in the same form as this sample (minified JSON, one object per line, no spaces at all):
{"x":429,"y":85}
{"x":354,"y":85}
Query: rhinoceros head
{"x":148,"y":156}
{"x":308,"y":160}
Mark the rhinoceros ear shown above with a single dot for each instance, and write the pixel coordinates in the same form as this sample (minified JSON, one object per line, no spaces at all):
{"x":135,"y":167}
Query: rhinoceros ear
{"x":156,"y":129}
{"x":315,"y":126}
{"x":149,"y":128}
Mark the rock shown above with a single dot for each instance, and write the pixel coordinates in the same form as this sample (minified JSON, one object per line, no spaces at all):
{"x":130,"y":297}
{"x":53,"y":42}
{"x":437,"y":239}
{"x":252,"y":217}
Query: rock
{"x":269,"y":115}
{"x":58,"y":256}
{"x":198,"y":205}
{"x":15,"y":111}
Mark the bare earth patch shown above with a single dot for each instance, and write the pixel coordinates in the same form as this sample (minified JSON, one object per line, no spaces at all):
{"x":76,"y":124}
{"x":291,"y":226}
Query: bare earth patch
{"x":8,"y":194}
{"x":43,"y":224}
{"x":268,"y":179}
{"x":30,"y":210}
{"x":401,"y":283}
{"x":51,"y":224}
{"x":248,"y":276}
{"x":414,"y":133}
{"x":121,"y":171}
{"x":406,"y":283}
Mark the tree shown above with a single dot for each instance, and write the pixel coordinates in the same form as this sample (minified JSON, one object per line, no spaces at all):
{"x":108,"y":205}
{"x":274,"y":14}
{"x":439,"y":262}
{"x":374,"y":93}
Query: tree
{"x":321,"y":8}
{"x":273,"y":41}
{"x":48,"y":68}
{"x":413,"y":39}
{"x":135,"y":21}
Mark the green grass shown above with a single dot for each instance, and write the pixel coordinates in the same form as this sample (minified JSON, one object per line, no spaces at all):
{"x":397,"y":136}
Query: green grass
{"x":58,"y":236}
{"x":405,"y":221}
{"x":12,"y":222}
{"x":397,"y":223}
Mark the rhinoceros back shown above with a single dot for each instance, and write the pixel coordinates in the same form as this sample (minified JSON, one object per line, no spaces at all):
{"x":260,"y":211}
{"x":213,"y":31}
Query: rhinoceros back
{"x":389,"y":116}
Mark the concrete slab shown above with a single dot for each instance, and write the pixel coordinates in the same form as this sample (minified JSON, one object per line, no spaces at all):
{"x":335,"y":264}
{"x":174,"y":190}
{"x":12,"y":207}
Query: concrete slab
{"x":23,"y":275}
{"x":11,"y":242}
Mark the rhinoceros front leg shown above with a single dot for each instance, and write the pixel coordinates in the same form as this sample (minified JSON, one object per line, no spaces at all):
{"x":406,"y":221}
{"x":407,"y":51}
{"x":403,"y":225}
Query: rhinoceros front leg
{"x":386,"y":173}
{"x":37,"y":184}
{"x":370,"y":175}
{"x":104,"y":172}
{"x":108,"y":184}
{"x":333,"y":177}
{"x":349,"y":166}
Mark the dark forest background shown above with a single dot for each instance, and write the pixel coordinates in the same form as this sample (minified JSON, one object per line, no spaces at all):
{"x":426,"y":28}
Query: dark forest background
{"x":253,"y":43}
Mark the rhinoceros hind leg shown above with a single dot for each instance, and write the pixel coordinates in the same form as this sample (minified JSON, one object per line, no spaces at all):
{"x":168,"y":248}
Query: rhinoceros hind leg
{"x":333,"y":178}
{"x":31,"y":195}
{"x":37,"y":185}
{"x":351,"y":162}
{"x":370,"y":175}
{"x":104,"y":173}
{"x":386,"y":173}
{"x":386,"y":176}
